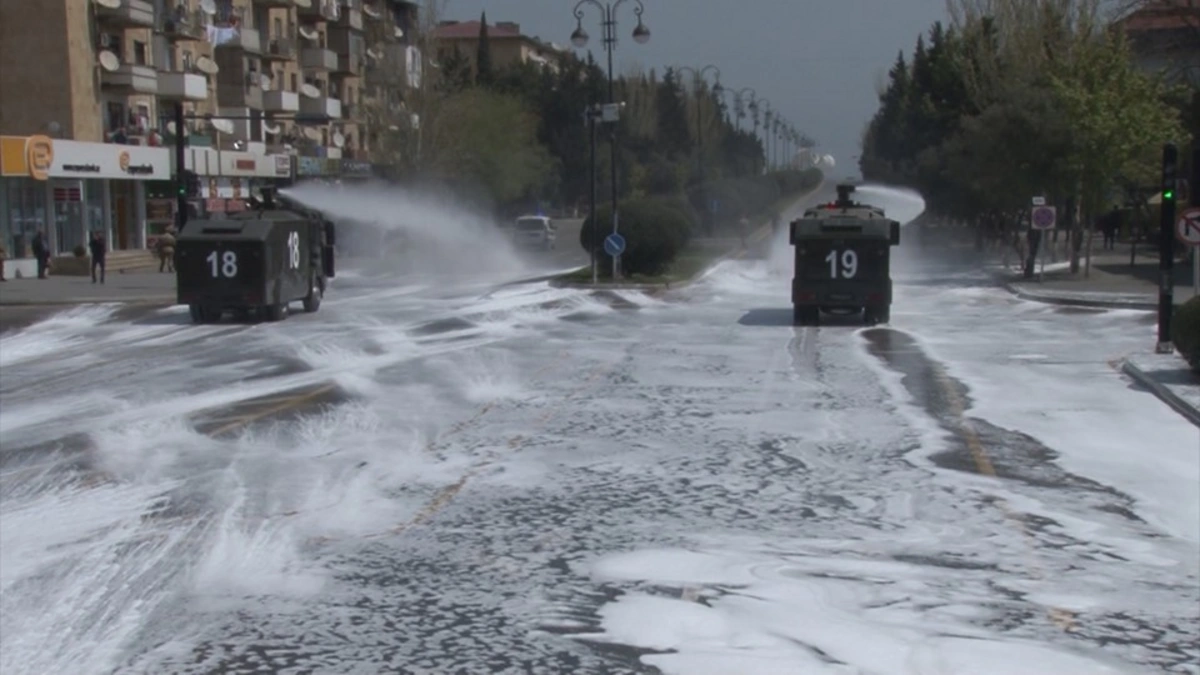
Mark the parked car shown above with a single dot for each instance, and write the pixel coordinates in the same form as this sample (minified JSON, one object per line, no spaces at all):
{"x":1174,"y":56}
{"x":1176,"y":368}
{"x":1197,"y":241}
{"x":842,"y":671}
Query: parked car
{"x":535,"y":232}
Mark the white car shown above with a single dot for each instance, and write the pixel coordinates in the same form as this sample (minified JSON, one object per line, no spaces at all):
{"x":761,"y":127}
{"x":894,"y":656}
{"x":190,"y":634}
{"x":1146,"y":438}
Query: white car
{"x":535,"y":232}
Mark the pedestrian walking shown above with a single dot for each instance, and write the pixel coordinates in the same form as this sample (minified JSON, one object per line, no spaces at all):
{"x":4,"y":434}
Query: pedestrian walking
{"x":743,"y":229}
{"x":41,"y":252}
{"x":99,"y":249}
{"x":166,"y":250}
{"x":1110,"y":224}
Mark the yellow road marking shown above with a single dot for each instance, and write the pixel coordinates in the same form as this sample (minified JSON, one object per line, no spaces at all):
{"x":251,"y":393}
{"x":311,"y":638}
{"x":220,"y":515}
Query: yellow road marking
{"x":292,"y":402}
{"x":1063,"y":618}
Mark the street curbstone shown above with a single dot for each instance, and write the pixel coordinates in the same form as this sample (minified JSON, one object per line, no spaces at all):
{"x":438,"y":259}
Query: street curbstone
{"x":1164,"y":393}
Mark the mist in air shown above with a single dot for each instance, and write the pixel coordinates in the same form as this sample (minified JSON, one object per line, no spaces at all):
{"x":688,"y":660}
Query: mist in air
{"x":390,"y":230}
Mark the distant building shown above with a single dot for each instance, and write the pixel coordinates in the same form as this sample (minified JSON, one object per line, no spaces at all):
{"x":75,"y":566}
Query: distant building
{"x":1165,"y":36}
{"x":508,"y":45}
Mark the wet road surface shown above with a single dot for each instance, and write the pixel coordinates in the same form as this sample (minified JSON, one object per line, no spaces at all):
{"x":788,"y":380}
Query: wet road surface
{"x":429,"y":479}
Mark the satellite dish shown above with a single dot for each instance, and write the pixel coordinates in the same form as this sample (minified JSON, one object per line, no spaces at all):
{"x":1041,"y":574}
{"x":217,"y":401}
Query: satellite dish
{"x":313,"y":134}
{"x":303,"y":4}
{"x":209,"y":7}
{"x":370,"y":11}
{"x":109,"y":61}
{"x":375,"y":54}
{"x":264,"y":81}
{"x":272,"y":129}
{"x":399,"y":32}
{"x":207,"y":66}
{"x":310,"y":91}
{"x":171,"y":129}
{"x":338,"y":139}
{"x":308,"y":33}
{"x":223,"y":126}
{"x":109,"y":4}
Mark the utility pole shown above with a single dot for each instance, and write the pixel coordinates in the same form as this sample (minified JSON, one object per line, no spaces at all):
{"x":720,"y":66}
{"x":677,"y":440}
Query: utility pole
{"x":181,"y":186}
{"x":1166,"y":248}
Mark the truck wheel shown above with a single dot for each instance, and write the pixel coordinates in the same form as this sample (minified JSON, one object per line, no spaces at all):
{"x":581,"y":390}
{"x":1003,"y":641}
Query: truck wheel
{"x":312,"y":301}
{"x":873,"y":316}
{"x":806,"y":316}
{"x":275,"y":312}
{"x":204,"y":314}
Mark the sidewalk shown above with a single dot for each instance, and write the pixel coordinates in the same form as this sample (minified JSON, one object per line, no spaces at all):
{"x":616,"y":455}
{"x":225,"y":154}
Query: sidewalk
{"x":1112,"y":282}
{"x":1168,"y":377}
{"x":143,"y":287}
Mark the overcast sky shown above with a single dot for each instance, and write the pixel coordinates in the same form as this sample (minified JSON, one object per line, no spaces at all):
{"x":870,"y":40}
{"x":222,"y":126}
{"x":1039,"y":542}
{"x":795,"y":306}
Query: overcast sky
{"x":817,"y":61}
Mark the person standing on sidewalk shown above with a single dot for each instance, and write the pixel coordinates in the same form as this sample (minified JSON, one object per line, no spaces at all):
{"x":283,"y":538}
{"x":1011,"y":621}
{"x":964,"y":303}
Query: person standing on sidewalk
{"x":1110,"y":223}
{"x":743,"y":227}
{"x":41,"y":252}
{"x":3,"y":257}
{"x":99,"y":249}
{"x":166,"y":250}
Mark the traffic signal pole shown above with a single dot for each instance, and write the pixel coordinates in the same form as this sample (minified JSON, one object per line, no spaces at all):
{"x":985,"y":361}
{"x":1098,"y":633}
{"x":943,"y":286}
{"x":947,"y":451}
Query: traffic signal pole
{"x":1166,"y":248}
{"x":181,"y":187}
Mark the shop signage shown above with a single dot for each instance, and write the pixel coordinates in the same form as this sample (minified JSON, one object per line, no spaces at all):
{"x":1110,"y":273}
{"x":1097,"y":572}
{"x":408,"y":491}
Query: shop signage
{"x":355,"y":167}
{"x":283,"y":166}
{"x":76,"y":159}
{"x":26,"y":156}
{"x":231,"y":163}
{"x":318,"y":166}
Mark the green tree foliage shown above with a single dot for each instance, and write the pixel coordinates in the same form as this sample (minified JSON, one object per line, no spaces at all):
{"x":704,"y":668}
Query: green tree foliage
{"x":483,"y":56}
{"x":655,"y":231}
{"x":1018,"y":98}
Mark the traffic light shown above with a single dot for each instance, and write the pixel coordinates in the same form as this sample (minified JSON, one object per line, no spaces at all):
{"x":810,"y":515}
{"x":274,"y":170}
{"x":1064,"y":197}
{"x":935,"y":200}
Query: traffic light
{"x":1170,"y":165}
{"x":189,"y":184}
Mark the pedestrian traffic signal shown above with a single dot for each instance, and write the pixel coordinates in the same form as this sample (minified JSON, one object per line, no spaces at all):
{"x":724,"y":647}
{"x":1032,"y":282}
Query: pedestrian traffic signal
{"x":189,"y":184}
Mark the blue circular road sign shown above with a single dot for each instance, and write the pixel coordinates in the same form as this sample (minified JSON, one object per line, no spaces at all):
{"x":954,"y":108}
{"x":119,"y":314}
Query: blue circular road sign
{"x":614,"y":244}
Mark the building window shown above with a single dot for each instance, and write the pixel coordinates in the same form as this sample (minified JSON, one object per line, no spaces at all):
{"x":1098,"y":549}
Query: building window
{"x":295,"y":84}
{"x":140,"y":54}
{"x":187,"y":62}
{"x":278,"y":28}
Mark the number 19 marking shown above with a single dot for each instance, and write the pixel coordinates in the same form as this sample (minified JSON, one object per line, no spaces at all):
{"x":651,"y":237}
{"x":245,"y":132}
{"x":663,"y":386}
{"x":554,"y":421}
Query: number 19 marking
{"x":849,"y":264}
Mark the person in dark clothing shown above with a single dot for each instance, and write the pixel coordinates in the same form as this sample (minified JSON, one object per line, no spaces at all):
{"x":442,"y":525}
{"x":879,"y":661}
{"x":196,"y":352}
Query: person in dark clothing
{"x":1112,"y":223}
{"x":41,"y":252}
{"x":99,"y":249}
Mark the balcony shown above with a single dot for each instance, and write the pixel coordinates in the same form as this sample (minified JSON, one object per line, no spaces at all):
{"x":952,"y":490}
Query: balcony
{"x":318,"y":10}
{"x":130,"y":79}
{"x":246,"y":40}
{"x":274,"y":3}
{"x":348,"y":64}
{"x":180,"y":25}
{"x":129,"y":14}
{"x":276,"y":101}
{"x":279,"y":49}
{"x":351,"y":17}
{"x":182,"y":86}
{"x":316,"y":58}
{"x":246,"y":94}
{"x":322,"y":106}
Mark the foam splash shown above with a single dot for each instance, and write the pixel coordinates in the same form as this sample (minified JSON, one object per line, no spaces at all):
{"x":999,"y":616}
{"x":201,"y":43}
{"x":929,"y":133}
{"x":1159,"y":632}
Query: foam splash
{"x":440,"y":238}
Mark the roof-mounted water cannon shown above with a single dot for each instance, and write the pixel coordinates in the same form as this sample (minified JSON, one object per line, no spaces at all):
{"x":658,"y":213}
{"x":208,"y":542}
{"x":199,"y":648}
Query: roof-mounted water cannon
{"x":843,"y":196}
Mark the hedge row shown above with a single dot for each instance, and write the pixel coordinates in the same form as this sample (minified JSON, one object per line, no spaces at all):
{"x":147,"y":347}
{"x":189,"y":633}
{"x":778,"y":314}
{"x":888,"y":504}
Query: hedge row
{"x":1185,"y":332}
{"x":726,"y":200}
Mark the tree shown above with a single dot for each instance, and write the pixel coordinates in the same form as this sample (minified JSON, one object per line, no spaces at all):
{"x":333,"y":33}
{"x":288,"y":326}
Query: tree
{"x":483,"y":56}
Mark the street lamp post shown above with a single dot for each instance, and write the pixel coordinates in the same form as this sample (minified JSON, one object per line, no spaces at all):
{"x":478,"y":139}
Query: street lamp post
{"x":699,"y":77}
{"x":579,"y":38}
{"x":739,"y":109}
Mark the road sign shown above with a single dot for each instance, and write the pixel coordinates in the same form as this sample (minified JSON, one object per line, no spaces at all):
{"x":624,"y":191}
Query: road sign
{"x":614,"y":244}
{"x":1039,"y":201}
{"x":1043,"y":217}
{"x":1188,"y":227}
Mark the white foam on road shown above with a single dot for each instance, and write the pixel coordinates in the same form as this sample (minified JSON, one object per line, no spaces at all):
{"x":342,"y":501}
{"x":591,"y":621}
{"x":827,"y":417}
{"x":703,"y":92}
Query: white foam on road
{"x":805,"y":614}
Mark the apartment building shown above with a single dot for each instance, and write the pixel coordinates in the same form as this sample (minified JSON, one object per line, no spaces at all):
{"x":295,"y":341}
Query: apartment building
{"x":272,"y":91}
{"x":505,"y":41}
{"x":1165,"y":36}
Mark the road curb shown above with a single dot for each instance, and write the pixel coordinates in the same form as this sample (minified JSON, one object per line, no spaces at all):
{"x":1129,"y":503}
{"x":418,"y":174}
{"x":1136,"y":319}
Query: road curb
{"x":1190,"y":412}
{"x":1053,"y":298}
{"x":167,"y":300}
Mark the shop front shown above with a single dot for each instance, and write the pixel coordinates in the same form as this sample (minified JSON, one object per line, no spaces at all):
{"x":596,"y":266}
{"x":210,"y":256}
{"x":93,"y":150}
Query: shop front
{"x":318,"y":170}
{"x":227,"y":180}
{"x":68,"y":189}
